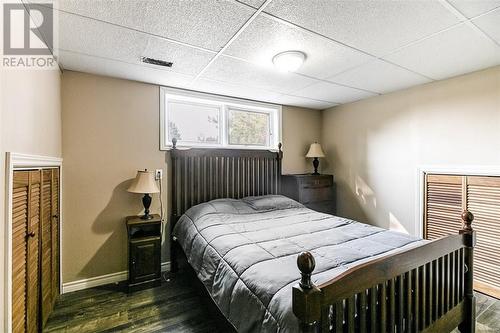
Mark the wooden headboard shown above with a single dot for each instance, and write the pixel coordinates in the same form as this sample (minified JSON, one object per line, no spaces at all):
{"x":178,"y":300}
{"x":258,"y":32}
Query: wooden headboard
{"x":204,"y":174}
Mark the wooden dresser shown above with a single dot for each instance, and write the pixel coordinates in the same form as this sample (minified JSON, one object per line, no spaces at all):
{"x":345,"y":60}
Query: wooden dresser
{"x":316,"y":192}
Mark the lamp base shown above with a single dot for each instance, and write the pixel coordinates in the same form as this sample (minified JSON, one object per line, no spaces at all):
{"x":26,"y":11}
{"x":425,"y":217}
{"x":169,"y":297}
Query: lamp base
{"x":146,"y":201}
{"x":315,"y":165}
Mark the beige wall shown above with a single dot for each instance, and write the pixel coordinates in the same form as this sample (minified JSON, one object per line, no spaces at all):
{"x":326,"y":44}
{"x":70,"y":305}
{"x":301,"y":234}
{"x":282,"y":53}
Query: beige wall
{"x":111,"y":129}
{"x":30,"y":123}
{"x":300,"y":127}
{"x":374,"y":146}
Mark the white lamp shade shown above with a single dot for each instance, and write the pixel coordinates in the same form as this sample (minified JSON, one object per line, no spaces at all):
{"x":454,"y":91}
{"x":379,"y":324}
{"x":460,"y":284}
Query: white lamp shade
{"x":315,"y":150}
{"x":144,"y":183}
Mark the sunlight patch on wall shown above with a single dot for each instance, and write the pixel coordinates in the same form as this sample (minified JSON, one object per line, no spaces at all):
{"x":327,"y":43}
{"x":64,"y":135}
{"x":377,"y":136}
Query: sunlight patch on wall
{"x":395,"y":225}
{"x":365,"y":193}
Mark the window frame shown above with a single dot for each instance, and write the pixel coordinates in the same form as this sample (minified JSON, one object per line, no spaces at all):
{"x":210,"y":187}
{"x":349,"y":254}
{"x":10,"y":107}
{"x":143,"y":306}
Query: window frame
{"x":225,"y":104}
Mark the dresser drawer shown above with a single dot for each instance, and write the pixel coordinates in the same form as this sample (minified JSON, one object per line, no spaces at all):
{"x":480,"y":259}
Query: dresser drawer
{"x":316,"y":193}
{"x":316,"y":182}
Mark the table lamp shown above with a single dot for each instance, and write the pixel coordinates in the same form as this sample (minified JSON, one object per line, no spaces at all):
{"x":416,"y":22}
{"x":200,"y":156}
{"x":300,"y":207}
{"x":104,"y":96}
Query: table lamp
{"x":144,"y":183}
{"x":315,"y":152}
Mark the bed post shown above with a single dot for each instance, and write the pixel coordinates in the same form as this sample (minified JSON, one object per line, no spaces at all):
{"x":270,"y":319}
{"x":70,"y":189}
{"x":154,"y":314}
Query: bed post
{"x":306,"y":297}
{"x":174,"y":266}
{"x":469,"y":240}
{"x":279,"y":158}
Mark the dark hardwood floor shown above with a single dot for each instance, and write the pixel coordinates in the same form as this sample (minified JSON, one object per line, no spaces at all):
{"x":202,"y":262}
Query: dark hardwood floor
{"x":178,"y":305}
{"x":488,"y":314}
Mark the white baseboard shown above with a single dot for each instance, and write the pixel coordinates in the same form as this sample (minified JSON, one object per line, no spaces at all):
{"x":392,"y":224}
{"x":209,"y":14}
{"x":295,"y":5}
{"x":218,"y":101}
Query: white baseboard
{"x":102,"y":280}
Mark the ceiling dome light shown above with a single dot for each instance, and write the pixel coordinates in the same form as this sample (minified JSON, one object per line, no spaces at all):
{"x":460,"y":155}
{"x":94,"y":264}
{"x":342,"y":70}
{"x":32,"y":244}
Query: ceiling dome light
{"x":289,"y":61}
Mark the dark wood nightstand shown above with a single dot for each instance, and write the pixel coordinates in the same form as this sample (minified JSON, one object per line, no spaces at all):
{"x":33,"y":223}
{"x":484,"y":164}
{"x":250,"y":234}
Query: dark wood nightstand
{"x":144,"y":252}
{"x":316,"y":192}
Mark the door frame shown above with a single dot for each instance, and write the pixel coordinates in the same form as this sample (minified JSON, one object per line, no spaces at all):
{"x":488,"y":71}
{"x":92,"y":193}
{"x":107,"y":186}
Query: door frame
{"x":422,"y":170}
{"x":16,"y":161}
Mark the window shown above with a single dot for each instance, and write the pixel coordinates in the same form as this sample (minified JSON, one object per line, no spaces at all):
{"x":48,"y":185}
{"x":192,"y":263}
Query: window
{"x":204,"y":120}
{"x":248,"y":127}
{"x":193,"y":123}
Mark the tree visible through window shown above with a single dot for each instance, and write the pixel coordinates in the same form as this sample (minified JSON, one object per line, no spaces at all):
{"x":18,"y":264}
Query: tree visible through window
{"x":248,"y":128}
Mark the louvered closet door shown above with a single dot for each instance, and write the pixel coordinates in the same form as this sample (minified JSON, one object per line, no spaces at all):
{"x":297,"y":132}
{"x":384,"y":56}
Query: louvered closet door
{"x":445,"y":198}
{"x":33,"y":283}
{"x":19,"y":250}
{"x":443,"y":205}
{"x":55,"y":235}
{"x":25,"y":254}
{"x":483,"y":200}
{"x":46,"y":245}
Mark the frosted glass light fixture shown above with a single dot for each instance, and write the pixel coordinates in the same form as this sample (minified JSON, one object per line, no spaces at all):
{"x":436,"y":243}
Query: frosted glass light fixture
{"x":289,"y":61}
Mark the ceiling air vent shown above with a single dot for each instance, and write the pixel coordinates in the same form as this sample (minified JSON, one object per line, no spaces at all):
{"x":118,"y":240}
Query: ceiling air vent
{"x":156,"y":62}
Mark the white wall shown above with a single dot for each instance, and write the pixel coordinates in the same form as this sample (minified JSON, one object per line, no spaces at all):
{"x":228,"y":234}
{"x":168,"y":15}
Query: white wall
{"x":30,"y":123}
{"x":374,"y":146}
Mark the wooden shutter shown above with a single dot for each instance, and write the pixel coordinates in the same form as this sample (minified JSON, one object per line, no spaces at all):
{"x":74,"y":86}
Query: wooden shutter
{"x":25,"y":254}
{"x":483,"y":200}
{"x":446,"y":196}
{"x":55,"y":235}
{"x":33,"y":282}
{"x":46,"y":245}
{"x":19,"y":250}
{"x":443,"y":205}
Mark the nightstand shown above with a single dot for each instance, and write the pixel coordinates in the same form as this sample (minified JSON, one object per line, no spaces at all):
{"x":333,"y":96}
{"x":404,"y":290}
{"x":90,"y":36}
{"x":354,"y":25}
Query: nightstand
{"x":144,"y":252}
{"x":316,"y":192}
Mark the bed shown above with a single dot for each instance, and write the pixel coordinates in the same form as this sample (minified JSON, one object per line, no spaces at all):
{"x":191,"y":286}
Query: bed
{"x":245,"y":242}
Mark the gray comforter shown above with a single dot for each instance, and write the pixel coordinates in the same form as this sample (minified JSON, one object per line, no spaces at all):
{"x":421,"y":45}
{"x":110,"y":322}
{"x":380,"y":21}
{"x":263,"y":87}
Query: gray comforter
{"x":245,"y":252}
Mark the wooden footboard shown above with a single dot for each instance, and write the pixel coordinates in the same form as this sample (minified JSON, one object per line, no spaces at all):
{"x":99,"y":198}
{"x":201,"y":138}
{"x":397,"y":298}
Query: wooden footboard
{"x":427,"y":288}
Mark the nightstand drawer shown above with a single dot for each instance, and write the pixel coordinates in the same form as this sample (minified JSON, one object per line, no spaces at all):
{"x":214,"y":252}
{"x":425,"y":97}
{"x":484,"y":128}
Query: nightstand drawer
{"x":316,"y":182}
{"x":316,"y":193}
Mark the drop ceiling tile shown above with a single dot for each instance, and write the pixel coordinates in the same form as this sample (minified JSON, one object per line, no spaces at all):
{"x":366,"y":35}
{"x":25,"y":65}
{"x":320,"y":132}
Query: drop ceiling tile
{"x":476,"y":7}
{"x":88,"y":36}
{"x":490,"y":23}
{"x":332,"y":93}
{"x":130,"y":13}
{"x":379,"y":76}
{"x":324,"y":57}
{"x":230,"y":70}
{"x":114,"y":42}
{"x":253,"y":3}
{"x":208,"y":23}
{"x":457,"y":51}
{"x":233,"y":90}
{"x":376,"y":27}
{"x":185,"y":59}
{"x":108,"y":67}
{"x":304,"y":102}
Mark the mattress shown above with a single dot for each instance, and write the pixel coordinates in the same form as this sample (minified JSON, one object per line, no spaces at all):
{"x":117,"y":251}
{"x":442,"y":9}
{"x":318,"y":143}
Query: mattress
{"x":245,"y":252}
